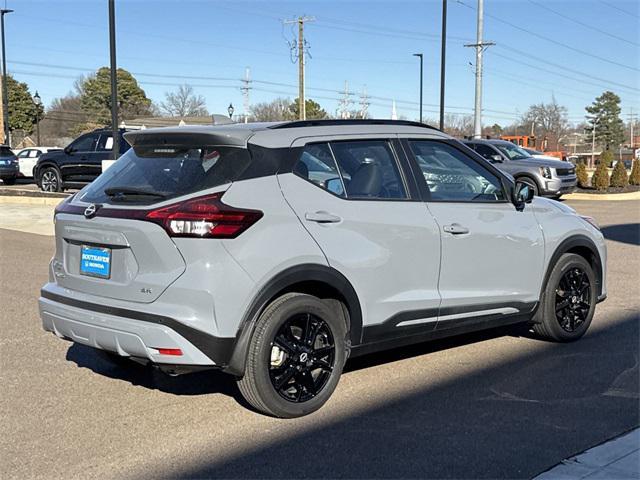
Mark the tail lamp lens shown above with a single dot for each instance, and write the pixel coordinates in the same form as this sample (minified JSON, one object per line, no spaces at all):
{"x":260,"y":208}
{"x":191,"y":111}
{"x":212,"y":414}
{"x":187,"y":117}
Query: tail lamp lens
{"x":204,"y":217}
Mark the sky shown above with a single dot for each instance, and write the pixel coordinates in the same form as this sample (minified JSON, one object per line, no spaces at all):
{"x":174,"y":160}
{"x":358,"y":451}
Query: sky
{"x":573,"y":50}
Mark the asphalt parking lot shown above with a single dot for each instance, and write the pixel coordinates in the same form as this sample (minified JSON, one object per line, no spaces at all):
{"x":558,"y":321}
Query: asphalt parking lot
{"x":497,"y":404}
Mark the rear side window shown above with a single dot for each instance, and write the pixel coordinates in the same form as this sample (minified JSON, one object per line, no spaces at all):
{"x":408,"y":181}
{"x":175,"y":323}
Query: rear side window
{"x":363,"y":169}
{"x":154,"y":174}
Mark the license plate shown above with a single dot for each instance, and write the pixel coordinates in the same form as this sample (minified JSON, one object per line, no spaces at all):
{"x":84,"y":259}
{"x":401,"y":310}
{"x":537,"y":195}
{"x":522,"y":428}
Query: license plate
{"x":95,"y":261}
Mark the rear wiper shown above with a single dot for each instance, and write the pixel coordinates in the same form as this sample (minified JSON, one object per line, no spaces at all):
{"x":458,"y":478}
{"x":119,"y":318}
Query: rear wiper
{"x":120,"y":193}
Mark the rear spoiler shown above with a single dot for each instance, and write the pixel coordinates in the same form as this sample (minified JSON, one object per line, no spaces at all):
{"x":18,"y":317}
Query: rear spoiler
{"x":181,"y":137}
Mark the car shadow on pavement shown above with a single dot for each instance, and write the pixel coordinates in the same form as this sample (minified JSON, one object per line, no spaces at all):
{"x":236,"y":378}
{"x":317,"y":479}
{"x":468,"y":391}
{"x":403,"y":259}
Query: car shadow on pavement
{"x":512,"y":418}
{"x":197,"y":383}
{"x":624,"y":232}
{"x":214,"y":381}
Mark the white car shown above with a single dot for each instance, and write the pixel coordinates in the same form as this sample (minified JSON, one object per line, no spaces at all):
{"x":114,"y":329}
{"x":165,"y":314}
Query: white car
{"x":28,"y":157}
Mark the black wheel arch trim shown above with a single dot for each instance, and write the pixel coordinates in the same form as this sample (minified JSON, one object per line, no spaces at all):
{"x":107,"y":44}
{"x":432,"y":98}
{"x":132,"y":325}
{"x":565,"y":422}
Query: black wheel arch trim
{"x":280,"y":283}
{"x":567,"y":245}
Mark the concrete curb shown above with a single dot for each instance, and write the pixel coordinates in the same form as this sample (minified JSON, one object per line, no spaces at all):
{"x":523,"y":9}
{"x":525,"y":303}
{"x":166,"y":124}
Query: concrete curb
{"x":606,"y":196}
{"x":24,"y":200}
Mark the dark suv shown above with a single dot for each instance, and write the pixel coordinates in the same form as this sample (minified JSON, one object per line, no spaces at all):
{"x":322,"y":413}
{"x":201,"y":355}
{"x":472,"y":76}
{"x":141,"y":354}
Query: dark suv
{"x":79,"y":163}
{"x":9,"y":166}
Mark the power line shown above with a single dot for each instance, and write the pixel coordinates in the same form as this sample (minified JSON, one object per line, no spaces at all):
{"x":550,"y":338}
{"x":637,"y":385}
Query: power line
{"x":555,"y":42}
{"x":578,"y":22}
{"x":615,"y":7}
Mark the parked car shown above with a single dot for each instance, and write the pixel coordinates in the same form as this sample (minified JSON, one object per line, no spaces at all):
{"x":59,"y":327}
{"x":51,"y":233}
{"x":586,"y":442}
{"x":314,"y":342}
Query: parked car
{"x":275,"y":252}
{"x":548,"y":178}
{"x":8,"y":165}
{"x":78,"y":163}
{"x":28,"y":157}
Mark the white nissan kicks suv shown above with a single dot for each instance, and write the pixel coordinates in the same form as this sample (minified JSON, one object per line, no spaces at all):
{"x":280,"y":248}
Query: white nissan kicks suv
{"x":277,"y":251}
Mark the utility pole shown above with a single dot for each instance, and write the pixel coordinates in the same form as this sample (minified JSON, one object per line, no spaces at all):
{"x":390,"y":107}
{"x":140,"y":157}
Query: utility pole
{"x":593,"y":142}
{"x":345,"y":103}
{"x":420,"y":56}
{"x":364,"y":103}
{"x":631,"y":121}
{"x":443,"y":56}
{"x":5,"y":88}
{"x":479,"y":46}
{"x":114,"y":81}
{"x":245,"y":94}
{"x":301,"y":53}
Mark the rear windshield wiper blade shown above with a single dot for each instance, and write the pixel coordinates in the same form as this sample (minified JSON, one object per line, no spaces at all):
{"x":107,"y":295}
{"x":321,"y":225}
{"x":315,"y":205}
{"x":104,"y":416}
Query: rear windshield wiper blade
{"x":122,"y":192}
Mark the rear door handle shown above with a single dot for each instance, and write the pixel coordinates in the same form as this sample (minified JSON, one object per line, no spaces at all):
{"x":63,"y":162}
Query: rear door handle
{"x":321,"y":217}
{"x":455,"y":229}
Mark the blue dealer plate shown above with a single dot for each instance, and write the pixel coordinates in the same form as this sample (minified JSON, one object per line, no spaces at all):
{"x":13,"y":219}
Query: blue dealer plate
{"x":95,"y":261}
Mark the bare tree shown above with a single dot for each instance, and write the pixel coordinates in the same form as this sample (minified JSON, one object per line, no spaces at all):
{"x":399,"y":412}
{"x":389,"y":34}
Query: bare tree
{"x":547,"y":120}
{"x":184,"y":103}
{"x":458,"y":125}
{"x":276,"y":110}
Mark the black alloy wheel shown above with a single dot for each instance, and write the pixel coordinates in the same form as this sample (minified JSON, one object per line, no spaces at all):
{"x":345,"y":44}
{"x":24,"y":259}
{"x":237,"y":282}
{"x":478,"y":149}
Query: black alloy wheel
{"x":302,"y":357}
{"x":568,"y":300}
{"x":573,"y":299}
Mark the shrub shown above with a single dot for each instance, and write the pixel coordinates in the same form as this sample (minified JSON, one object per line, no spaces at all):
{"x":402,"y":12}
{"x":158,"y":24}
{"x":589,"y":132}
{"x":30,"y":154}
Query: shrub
{"x":583,"y":176}
{"x":634,"y":176}
{"x":619,"y":175}
{"x":600,"y":179}
{"x":606,"y":157}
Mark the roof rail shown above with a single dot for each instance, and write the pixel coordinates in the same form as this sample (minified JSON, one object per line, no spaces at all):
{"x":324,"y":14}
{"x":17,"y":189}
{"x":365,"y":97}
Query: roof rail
{"x":351,"y":121}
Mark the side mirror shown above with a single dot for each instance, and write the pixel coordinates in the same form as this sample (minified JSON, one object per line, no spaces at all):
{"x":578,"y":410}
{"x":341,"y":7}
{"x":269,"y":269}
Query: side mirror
{"x":522,"y":194}
{"x":334,"y":185}
{"x":496,"y":158}
{"x":69,"y":150}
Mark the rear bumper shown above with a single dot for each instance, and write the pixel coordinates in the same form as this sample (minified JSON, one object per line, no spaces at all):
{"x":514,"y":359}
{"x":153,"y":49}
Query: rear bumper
{"x":9,"y":171}
{"x":131,"y":333}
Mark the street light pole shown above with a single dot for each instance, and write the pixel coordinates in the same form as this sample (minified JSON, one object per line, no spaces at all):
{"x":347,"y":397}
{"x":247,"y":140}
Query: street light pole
{"x":114,"y":81}
{"x":593,"y":142}
{"x":421,"y":71}
{"x":5,"y":90}
{"x":443,"y":54}
{"x":38,"y":103}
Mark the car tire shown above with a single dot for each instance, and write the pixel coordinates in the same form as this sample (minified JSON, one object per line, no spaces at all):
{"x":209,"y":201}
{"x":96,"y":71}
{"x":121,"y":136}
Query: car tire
{"x":286,"y":376}
{"x":532,"y":183}
{"x":50,"y":180}
{"x":568,"y":301}
{"x":9,"y":181}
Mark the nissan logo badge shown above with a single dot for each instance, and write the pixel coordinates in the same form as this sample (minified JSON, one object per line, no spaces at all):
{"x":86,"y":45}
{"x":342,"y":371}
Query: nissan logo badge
{"x":91,"y":211}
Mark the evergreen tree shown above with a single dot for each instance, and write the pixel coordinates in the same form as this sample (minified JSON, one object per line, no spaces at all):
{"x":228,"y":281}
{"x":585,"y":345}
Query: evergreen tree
{"x":583,"y":176}
{"x":619,"y":175}
{"x":605,"y":115}
{"x":634,"y":176}
{"x":606,"y":157}
{"x":23,"y":111}
{"x":600,"y":179}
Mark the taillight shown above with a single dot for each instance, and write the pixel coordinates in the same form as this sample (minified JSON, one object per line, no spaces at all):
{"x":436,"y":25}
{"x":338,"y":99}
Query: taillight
{"x":204,"y":217}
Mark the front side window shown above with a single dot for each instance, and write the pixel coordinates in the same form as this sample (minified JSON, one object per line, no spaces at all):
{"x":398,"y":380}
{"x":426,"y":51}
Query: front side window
{"x":485,"y":151}
{"x":85,"y":144}
{"x":369,"y":169}
{"x":145,"y":175}
{"x":452,"y":176}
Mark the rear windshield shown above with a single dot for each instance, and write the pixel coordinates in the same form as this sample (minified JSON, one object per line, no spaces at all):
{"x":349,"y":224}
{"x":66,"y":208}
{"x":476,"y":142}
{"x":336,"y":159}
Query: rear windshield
{"x":6,"y":152}
{"x":153,"y":174}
